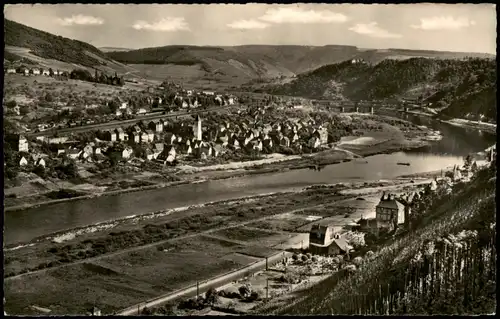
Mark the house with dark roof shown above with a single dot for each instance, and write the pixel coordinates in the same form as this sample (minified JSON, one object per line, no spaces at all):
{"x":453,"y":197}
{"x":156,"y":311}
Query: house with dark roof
{"x":120,"y":134}
{"x":325,"y":240}
{"x":389,"y":212}
{"x":156,"y":125}
{"x":135,"y":136}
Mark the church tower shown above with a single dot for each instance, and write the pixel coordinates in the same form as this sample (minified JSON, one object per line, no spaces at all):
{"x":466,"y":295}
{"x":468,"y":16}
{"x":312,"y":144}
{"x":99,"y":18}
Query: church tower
{"x":197,"y":128}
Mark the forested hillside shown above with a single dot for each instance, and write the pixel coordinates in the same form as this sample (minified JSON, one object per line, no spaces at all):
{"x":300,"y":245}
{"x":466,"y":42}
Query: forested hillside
{"x":50,"y":46}
{"x":460,"y":88}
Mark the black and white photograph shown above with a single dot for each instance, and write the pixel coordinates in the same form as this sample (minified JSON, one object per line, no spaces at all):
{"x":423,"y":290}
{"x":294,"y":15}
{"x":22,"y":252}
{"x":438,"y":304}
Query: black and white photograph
{"x":249,"y":159}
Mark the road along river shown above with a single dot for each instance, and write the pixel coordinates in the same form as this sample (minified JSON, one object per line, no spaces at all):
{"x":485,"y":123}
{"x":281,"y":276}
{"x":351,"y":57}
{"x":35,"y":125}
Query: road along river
{"x":24,"y":225}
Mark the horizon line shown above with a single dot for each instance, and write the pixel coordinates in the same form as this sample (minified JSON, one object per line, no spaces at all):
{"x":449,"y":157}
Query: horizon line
{"x":297,"y":45}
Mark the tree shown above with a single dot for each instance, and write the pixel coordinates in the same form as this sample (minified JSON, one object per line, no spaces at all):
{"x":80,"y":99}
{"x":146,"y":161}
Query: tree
{"x":40,"y":171}
{"x":114,"y":158}
{"x":245,"y":291}
{"x":211,"y":296}
{"x":11,"y":104}
{"x":467,"y":162}
{"x":48,"y":97}
{"x":113,"y":106}
{"x":11,"y":172}
{"x":51,"y":72}
{"x":24,"y":110}
{"x":474,"y":167}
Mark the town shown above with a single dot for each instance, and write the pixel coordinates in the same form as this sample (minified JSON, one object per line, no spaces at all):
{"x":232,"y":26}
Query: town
{"x":171,"y":160}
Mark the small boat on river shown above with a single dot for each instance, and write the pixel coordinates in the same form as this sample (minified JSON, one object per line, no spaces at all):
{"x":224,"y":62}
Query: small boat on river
{"x":405,"y":164}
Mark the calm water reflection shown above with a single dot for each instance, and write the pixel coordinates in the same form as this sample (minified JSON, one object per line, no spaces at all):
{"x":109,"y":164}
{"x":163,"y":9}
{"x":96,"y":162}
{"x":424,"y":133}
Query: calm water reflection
{"x":21,"y":226}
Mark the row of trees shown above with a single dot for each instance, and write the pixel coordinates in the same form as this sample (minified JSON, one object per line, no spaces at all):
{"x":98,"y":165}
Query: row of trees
{"x":84,"y":75}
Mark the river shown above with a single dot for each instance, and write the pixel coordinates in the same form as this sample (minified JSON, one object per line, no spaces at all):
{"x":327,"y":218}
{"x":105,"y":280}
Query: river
{"x":25,"y":225}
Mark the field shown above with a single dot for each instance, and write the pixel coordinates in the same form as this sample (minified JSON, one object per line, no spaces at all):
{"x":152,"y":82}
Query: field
{"x":192,"y":76}
{"x":124,"y":279}
{"x":287,"y":222}
{"x":132,"y":233}
{"x":244,"y":234}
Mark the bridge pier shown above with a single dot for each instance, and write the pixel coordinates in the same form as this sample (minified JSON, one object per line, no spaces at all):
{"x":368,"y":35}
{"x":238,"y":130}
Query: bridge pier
{"x":342,"y":109}
{"x":372,"y":111}
{"x":357,"y":109}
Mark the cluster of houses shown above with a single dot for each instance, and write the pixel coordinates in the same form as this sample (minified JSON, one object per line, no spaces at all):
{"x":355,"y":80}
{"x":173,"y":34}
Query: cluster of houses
{"x":34,"y":71}
{"x":215,"y":139}
{"x":166,"y":141}
{"x":26,"y":157}
{"x":194,"y":99}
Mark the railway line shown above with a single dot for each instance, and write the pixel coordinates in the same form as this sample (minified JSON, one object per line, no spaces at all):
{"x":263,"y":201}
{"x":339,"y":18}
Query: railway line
{"x":115,"y":124}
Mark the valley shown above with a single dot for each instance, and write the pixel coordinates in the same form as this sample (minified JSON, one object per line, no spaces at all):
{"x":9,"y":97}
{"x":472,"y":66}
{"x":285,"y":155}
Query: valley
{"x":144,"y":175}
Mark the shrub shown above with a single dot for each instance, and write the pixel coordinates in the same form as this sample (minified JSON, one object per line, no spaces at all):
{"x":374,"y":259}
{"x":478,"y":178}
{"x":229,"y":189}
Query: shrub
{"x":191,"y":304}
{"x":350,"y":268}
{"x":11,"y":104}
{"x":290,"y":278}
{"x":295,"y":257}
{"x":212,"y":296}
{"x":357,"y":261}
{"x":53,"y":250}
{"x":309,"y":255}
{"x":314,"y":259}
{"x":253,"y":296}
{"x":304,"y":258}
{"x":245,"y":291}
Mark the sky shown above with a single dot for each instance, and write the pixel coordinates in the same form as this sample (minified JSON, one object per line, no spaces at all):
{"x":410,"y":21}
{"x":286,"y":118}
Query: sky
{"x":443,"y":27}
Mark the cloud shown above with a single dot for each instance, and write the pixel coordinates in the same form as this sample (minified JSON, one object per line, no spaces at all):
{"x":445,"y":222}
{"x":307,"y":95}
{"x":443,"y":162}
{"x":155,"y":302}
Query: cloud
{"x":373,"y":30}
{"x":80,"y":19}
{"x":168,"y":24}
{"x":443,"y":23}
{"x":297,"y":15}
{"x":248,"y":25}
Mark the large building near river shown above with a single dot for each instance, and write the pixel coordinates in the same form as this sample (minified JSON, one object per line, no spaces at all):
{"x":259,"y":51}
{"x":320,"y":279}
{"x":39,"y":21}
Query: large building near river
{"x":389,"y":212}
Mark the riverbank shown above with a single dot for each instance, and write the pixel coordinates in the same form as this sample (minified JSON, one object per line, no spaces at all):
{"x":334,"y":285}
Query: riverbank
{"x":487,"y":127}
{"x":372,"y":145}
{"x":130,"y":256}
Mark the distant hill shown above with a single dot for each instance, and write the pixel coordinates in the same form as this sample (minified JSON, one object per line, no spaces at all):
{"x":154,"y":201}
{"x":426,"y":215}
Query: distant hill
{"x":112,"y":49}
{"x":212,"y":61}
{"x":47,"y":45}
{"x":457,"y":87}
{"x":254,"y":61}
{"x":49,"y":50}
